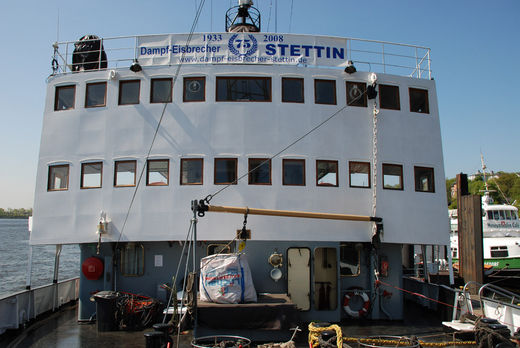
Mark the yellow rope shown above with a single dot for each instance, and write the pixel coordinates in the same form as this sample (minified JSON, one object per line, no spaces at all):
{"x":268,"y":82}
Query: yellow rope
{"x":315,"y":332}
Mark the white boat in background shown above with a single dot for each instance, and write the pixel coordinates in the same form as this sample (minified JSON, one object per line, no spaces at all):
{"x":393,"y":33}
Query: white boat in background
{"x":500,"y":232}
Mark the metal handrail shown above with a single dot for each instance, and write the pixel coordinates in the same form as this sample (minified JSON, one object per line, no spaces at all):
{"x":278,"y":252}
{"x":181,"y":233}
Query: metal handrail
{"x":378,"y":53}
{"x":495,"y":290}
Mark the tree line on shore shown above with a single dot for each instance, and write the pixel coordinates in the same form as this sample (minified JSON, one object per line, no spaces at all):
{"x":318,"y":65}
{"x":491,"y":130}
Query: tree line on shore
{"x":19,"y":213}
{"x":504,"y":187}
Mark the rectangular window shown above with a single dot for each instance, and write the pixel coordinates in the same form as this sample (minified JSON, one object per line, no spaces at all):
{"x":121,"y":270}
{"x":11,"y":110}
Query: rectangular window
{"x":161,"y":91}
{"x":124,"y":173}
{"x":58,"y":178}
{"x":389,"y":97}
{"x":129,"y":92}
{"x":350,"y":260}
{"x":392,"y":176}
{"x":64,"y":98}
{"x":158,"y":172}
{"x":325,"y":92}
{"x":225,"y":171}
{"x":96,"y":95}
{"x":91,"y":175}
{"x":326,"y":173}
{"x":191,"y":171}
{"x":244,"y":89}
{"x":293,"y":172}
{"x":419,"y":100}
{"x":259,"y":171}
{"x":359,"y":174}
{"x":356,"y":94}
{"x":499,"y":251}
{"x":292,"y":90}
{"x":194,"y":89}
{"x":424,"y":179}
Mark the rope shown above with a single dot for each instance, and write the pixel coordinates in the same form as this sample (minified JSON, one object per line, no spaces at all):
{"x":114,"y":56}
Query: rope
{"x":315,"y":334}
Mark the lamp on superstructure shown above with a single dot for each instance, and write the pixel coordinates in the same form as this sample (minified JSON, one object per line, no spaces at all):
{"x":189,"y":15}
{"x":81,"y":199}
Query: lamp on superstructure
{"x":243,"y":18}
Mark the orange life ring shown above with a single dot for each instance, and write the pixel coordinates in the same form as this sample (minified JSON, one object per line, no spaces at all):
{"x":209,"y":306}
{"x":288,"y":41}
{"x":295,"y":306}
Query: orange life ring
{"x":364,"y":309}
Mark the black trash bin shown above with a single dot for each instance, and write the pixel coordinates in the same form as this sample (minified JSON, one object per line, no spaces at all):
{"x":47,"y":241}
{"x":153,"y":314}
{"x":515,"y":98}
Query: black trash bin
{"x":106,"y":309}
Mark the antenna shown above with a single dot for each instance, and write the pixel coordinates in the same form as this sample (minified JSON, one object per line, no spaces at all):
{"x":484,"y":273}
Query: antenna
{"x":484,"y":170}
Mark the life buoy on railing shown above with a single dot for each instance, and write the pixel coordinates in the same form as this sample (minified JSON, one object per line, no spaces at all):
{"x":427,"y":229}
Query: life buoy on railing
{"x":347,"y":302}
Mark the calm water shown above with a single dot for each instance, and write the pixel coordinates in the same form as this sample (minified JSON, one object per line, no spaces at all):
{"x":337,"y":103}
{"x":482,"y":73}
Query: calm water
{"x":14,"y":256}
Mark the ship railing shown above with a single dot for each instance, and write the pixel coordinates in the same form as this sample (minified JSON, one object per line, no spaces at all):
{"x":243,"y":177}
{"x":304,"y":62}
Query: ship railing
{"x":501,"y":304}
{"x":371,"y":55}
{"x":19,"y":308}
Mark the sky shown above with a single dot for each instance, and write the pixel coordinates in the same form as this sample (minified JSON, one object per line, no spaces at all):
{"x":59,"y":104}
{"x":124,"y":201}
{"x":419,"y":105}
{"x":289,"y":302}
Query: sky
{"x":475,"y":55}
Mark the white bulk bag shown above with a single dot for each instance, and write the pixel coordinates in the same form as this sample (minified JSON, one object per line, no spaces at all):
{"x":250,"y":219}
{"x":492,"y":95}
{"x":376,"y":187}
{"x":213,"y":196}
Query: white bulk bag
{"x":226,"y":278}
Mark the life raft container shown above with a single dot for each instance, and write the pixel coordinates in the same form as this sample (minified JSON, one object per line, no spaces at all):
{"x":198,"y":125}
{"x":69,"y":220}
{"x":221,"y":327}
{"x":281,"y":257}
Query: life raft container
{"x":347,"y":302}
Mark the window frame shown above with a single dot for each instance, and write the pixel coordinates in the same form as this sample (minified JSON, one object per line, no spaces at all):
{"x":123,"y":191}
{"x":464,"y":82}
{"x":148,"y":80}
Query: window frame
{"x":54,"y":166}
{"x":56,"y":98}
{"x":342,"y":246}
{"x":350,"y":165}
{"x":123,"y":82}
{"x":235,"y":160}
{"x":419,"y":90}
{"x":337,"y":173}
{"x":383,"y":86}
{"x":250,"y":170}
{"x":89,"y":84}
{"x":364,"y":99}
{"x":170,"y":96}
{"x":201,"y":160}
{"x":316,"y":81}
{"x":82,"y":178}
{"x":266,"y":78}
{"x":302,"y":89}
{"x":401,"y":178}
{"x":148,"y":172}
{"x":431,"y":186}
{"x":193,"y":78}
{"x":294,"y":160}
{"x":116,"y":164}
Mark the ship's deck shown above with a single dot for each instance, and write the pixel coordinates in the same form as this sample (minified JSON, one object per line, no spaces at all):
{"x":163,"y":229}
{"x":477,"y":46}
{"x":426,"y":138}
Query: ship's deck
{"x":61,"y":329}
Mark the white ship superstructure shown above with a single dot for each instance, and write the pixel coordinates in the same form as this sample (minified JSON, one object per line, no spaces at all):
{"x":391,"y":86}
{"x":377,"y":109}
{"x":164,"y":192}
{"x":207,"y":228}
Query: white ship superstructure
{"x":125,"y":151}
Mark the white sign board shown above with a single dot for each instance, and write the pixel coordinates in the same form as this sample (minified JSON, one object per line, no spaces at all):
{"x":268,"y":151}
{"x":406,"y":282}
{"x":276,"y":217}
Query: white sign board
{"x":241,"y":48}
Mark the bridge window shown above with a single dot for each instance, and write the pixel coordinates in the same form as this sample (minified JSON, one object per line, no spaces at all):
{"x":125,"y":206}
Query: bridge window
{"x":392,"y":176}
{"x":191,"y":171}
{"x":64,"y":98}
{"x":325,"y":92}
{"x":124,"y":173}
{"x":356,"y":94}
{"x":58,"y":179}
{"x":419,"y":100}
{"x":96,"y":95}
{"x":129,"y":92}
{"x":225,"y":171}
{"x":424,"y":181}
{"x":244,"y":89}
{"x":91,"y":175}
{"x":359,"y":174}
{"x":158,"y":172}
{"x":194,"y":89}
{"x":259,"y":171}
{"x":292,"y":90}
{"x":161,"y":91}
{"x":293,"y":172}
{"x":326,"y":173}
{"x":389,"y":97}
{"x":499,"y":251}
{"x":508,"y":214}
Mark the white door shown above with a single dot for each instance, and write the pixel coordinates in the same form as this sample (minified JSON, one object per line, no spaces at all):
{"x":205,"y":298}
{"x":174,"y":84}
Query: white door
{"x":299,"y":277}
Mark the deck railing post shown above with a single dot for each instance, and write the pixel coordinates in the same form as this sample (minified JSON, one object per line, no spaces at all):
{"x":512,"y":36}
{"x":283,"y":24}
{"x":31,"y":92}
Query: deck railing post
{"x":55,"y":277}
